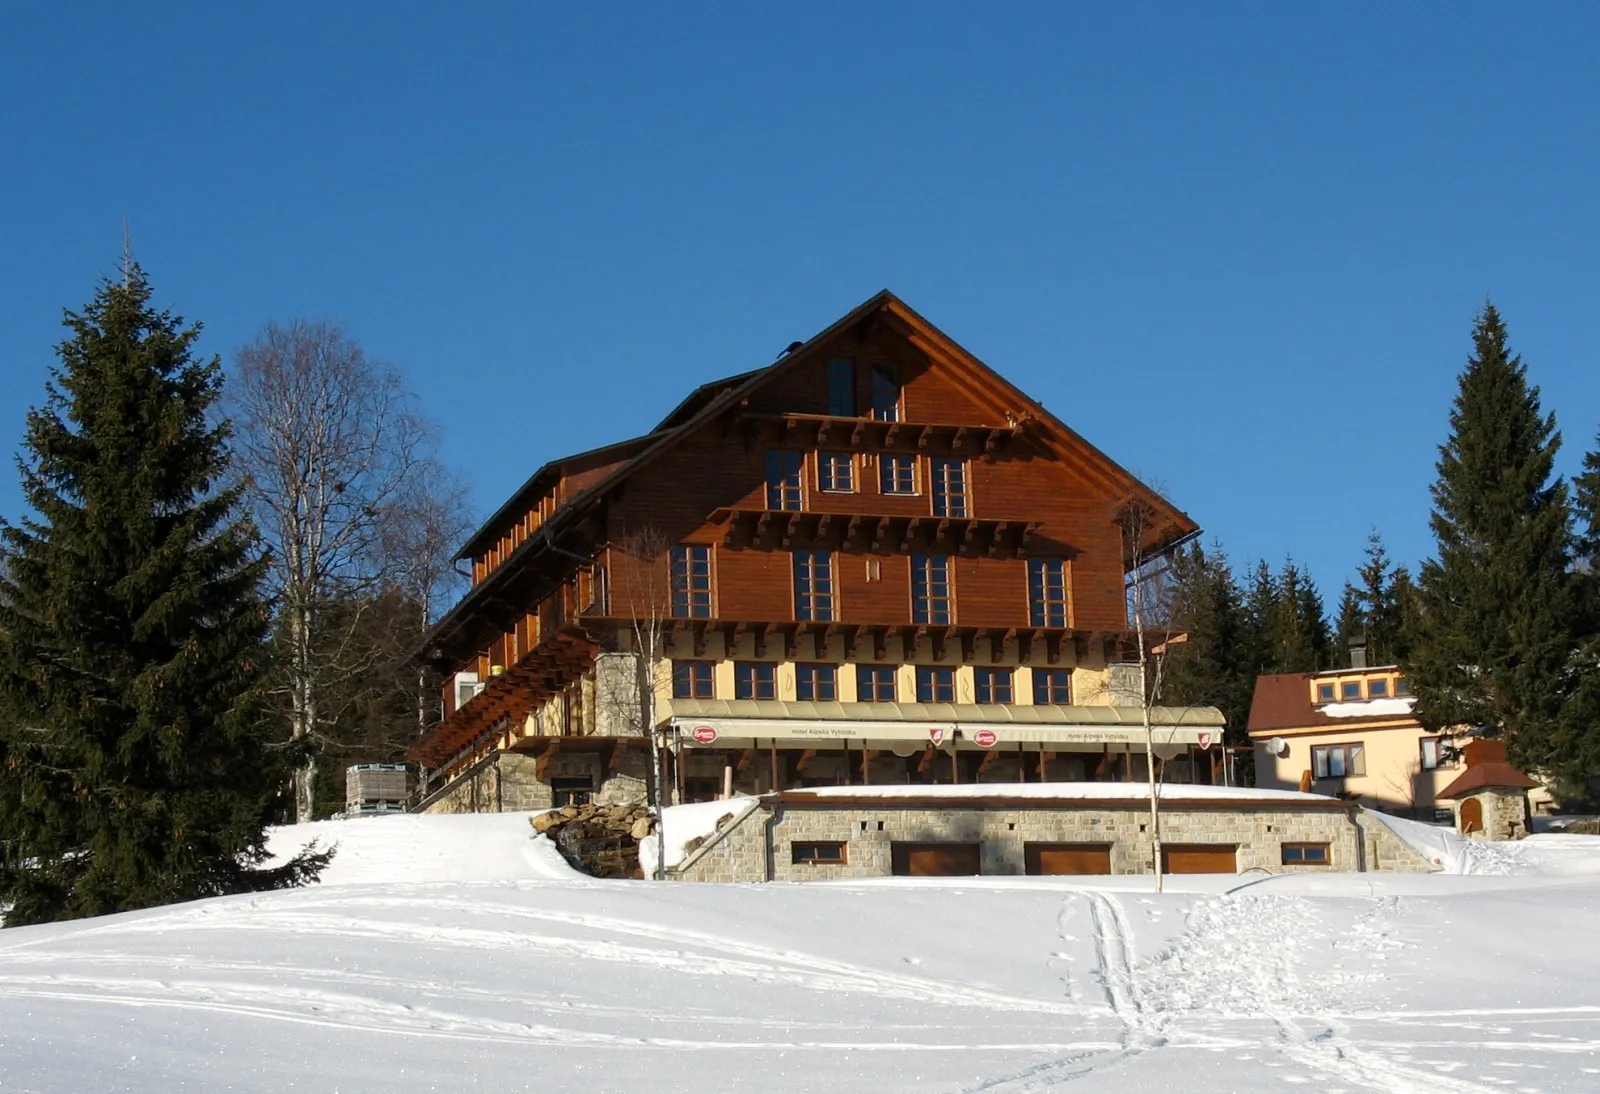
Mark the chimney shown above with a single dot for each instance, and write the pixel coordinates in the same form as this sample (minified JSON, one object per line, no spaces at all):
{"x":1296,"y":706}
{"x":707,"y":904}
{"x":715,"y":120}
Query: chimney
{"x":1358,"y":656}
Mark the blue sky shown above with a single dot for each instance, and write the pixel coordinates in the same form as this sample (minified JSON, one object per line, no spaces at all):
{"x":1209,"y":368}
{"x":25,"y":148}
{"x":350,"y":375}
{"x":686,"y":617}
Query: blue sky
{"x":1239,"y":248}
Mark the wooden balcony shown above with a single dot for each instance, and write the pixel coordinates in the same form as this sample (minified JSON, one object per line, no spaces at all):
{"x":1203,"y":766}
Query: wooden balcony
{"x":776,"y":529}
{"x":792,"y":430}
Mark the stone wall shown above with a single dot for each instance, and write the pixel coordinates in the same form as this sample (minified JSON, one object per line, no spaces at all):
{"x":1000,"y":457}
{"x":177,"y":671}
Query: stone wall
{"x":510,"y":783}
{"x":1388,"y":852}
{"x":868,"y":831}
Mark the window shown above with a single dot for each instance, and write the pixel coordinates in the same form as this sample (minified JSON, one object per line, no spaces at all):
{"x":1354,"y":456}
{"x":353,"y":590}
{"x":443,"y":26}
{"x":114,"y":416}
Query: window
{"x":1402,"y":686}
{"x":1305,"y":854}
{"x":691,"y":582}
{"x":993,"y":685}
{"x":1047,"y":592}
{"x":897,"y":474}
{"x":886,"y":393}
{"x":691,"y":680}
{"x":1350,"y":689}
{"x":875,"y":683}
{"x":1052,"y":687}
{"x":1377,"y":689}
{"x":570,"y":791}
{"x":836,"y":472}
{"x":949,"y":487}
{"x":1338,"y":761}
{"x":1324,"y":693}
{"x":813,"y":585}
{"x":816,"y":683}
{"x":783,"y":480}
{"x":1433,"y":752}
{"x":842,"y":388}
{"x":930,"y":589}
{"x":936,"y":684}
{"x":817,"y":854}
{"x":755,"y":680}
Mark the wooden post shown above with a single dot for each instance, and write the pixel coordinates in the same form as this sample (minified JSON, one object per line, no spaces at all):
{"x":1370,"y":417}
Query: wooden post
{"x":955,"y":766}
{"x":1022,"y":765}
{"x":866,"y":765}
{"x":847,"y":774}
{"x":727,"y":779}
{"x":1042,"y":763}
{"x":773,"y":747}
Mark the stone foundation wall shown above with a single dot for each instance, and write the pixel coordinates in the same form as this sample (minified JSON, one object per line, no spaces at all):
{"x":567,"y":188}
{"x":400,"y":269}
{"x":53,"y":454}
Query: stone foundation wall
{"x":1003,"y":832}
{"x":511,"y":783}
{"x":1388,"y":852}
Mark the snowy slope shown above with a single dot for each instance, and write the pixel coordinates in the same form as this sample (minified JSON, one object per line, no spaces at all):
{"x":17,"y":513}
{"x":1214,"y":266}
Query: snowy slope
{"x":446,"y":954}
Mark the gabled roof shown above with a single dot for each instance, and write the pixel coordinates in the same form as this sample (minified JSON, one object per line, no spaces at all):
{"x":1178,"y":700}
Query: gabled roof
{"x":1489,"y":776}
{"x":706,"y":402}
{"x":1283,"y":701}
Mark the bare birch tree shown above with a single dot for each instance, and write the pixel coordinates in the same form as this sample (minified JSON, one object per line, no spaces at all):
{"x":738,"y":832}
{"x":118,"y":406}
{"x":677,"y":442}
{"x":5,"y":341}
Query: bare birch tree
{"x":337,"y":464}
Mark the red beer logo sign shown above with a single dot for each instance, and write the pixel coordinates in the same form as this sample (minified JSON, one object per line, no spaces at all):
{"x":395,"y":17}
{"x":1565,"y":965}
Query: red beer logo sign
{"x":985,"y":738}
{"x":936,"y":736}
{"x":1205,"y":741}
{"x":705,"y":734}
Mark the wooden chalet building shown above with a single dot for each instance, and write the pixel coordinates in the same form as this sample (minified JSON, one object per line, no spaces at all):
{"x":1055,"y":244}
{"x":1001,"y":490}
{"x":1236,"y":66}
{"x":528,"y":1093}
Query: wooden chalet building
{"x":872,"y":561}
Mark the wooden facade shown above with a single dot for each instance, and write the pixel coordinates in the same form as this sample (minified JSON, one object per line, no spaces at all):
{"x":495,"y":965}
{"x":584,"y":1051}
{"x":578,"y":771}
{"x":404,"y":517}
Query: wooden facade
{"x":875,"y":497}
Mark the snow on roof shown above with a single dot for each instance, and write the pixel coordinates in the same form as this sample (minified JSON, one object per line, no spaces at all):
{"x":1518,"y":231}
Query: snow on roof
{"x":1103,"y":791}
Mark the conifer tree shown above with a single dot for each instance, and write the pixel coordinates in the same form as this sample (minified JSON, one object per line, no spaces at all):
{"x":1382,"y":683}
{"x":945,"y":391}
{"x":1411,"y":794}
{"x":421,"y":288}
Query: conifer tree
{"x":1497,"y":607}
{"x":1379,"y":612}
{"x":132,"y":767}
{"x":1211,"y":666}
{"x":1298,"y":628}
{"x":1579,"y":734}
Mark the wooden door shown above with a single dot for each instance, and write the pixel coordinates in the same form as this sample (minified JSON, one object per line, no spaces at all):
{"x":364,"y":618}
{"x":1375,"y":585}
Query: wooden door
{"x":1067,"y":858}
{"x":934,"y":859}
{"x":1199,"y":858}
{"x":1471,"y":816}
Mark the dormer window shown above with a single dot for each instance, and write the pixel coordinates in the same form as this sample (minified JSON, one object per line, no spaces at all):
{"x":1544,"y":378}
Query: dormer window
{"x":1350,"y":690}
{"x":1324,"y":693}
{"x":1377,"y":689}
{"x":1402,"y":686}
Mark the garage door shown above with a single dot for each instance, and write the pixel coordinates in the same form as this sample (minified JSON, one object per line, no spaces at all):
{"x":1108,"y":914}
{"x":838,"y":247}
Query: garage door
{"x":1067,"y":858}
{"x":1199,"y":858}
{"x":934,"y":859}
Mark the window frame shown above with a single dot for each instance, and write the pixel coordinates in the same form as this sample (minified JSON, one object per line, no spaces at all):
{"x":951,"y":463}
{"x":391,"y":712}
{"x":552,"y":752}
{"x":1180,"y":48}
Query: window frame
{"x":1438,"y":753}
{"x":1047,"y":683}
{"x":785,"y":484}
{"x":841,"y":399}
{"x":1333,"y":692}
{"x":926,"y":607}
{"x":681,"y":565}
{"x":815,"y":587}
{"x":1345,"y":695}
{"x":1402,"y":687}
{"x":1043,"y":609}
{"x":869,"y":678}
{"x":886,"y":376}
{"x":988,"y":679}
{"x":798,"y":858}
{"x":934,"y":681}
{"x":827,"y":472}
{"x":943,"y":472}
{"x":687,"y":682}
{"x":1350,"y":750}
{"x":1325,"y":849}
{"x":1378,"y":688}
{"x":808,"y":676}
{"x":889,"y":483}
{"x":755,"y":677}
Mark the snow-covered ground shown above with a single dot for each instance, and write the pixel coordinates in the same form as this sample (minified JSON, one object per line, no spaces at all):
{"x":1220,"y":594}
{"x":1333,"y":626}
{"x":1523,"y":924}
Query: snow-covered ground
{"x":456,"y":953}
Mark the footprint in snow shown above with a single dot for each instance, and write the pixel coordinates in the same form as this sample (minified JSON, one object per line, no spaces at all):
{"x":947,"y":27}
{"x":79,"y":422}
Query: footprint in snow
{"x":912,"y":960}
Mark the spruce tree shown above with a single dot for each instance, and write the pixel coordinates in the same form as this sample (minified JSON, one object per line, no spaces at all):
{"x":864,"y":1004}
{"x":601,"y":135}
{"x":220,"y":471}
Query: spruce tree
{"x":1497,"y":607}
{"x":1579,"y":733}
{"x":133,"y":770}
{"x":1379,"y":612}
{"x":1299,"y":630}
{"x":1211,"y":666}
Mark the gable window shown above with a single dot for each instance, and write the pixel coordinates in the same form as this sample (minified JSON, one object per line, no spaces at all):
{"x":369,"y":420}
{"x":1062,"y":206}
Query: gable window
{"x":842,"y":388}
{"x":836,"y":472}
{"x":1377,"y":689}
{"x":1052,"y":687}
{"x":949,"y":487}
{"x":1305,"y":854}
{"x":816,"y":683}
{"x":1047,"y":592}
{"x":1338,"y":761}
{"x":755,"y":680}
{"x":930,"y":589}
{"x":691,"y":581}
{"x":1349,"y":690}
{"x":897,"y":474}
{"x":813,"y":585}
{"x":691,"y":680}
{"x":992,"y":685}
{"x":1324,"y":693}
{"x":886,"y":393}
{"x":936,"y":684}
{"x":783,"y":480}
{"x":875,"y":683}
{"x":1432,"y":753}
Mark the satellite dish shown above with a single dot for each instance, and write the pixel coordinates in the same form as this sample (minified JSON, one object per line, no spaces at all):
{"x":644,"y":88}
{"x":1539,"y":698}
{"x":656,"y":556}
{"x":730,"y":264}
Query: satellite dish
{"x":1278,"y":746}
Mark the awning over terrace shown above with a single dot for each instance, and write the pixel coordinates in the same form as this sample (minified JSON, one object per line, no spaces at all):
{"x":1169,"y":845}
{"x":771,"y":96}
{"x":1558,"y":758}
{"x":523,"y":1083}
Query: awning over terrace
{"x":721,"y":722}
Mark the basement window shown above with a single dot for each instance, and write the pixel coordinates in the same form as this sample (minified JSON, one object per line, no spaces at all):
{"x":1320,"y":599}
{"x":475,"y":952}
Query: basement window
{"x":570,"y":791}
{"x":1305,"y":854}
{"x":818,"y":853}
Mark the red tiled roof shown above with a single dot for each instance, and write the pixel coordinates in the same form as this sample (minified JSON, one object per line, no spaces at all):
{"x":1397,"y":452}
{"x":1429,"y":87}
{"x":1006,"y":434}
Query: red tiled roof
{"x":1487,"y":776}
{"x":1283,"y":701}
